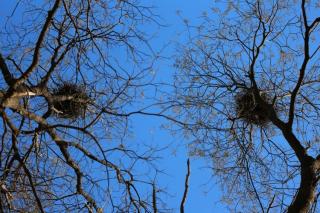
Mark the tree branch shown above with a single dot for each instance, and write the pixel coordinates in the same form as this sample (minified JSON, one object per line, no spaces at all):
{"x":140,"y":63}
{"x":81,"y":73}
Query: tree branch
{"x":36,"y":53}
{"x":186,"y":187}
{"x":5,"y":71}
{"x":303,"y":66}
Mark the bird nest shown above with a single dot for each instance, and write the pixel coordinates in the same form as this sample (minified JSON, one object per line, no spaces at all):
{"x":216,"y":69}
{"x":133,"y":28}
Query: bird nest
{"x":70,"y":101}
{"x":248,"y":109}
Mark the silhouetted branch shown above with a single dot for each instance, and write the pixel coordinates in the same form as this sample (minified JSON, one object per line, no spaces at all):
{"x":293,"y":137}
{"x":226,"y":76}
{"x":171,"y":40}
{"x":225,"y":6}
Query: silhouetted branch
{"x":186,"y":187}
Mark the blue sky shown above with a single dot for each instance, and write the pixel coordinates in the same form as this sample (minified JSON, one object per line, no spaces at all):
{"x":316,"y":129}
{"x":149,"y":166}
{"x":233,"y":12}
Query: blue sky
{"x":204,"y":193}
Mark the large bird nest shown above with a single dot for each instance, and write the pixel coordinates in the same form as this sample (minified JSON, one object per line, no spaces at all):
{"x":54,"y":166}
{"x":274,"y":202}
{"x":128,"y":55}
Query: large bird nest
{"x":70,"y":101}
{"x":249,"y":110}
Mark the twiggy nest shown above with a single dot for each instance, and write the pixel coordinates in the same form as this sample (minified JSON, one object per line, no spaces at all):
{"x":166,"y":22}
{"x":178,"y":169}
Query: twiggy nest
{"x":70,"y":101}
{"x":248,"y":109}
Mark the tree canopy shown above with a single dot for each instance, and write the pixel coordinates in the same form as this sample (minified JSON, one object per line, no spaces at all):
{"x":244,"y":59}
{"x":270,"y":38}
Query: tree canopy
{"x":248,"y":87}
{"x":245,"y":94}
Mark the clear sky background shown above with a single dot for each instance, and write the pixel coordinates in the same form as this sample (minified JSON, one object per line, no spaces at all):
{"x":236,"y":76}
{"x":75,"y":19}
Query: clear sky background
{"x":204,"y":193}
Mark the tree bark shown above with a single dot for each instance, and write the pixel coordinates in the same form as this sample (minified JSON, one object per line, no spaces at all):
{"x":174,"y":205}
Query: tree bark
{"x":308,"y":174}
{"x":305,"y":195}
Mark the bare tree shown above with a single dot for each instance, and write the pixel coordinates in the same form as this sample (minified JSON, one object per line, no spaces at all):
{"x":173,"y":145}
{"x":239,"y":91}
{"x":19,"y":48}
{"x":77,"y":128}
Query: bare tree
{"x":70,"y":72}
{"x":247,"y":91}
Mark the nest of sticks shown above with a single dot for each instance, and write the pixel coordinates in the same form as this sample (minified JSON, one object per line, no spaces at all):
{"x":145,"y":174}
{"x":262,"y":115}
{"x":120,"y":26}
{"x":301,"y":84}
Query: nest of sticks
{"x":70,"y":101}
{"x":249,"y":110}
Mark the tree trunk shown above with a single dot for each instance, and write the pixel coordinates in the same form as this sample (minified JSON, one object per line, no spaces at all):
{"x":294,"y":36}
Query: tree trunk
{"x":305,"y":196}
